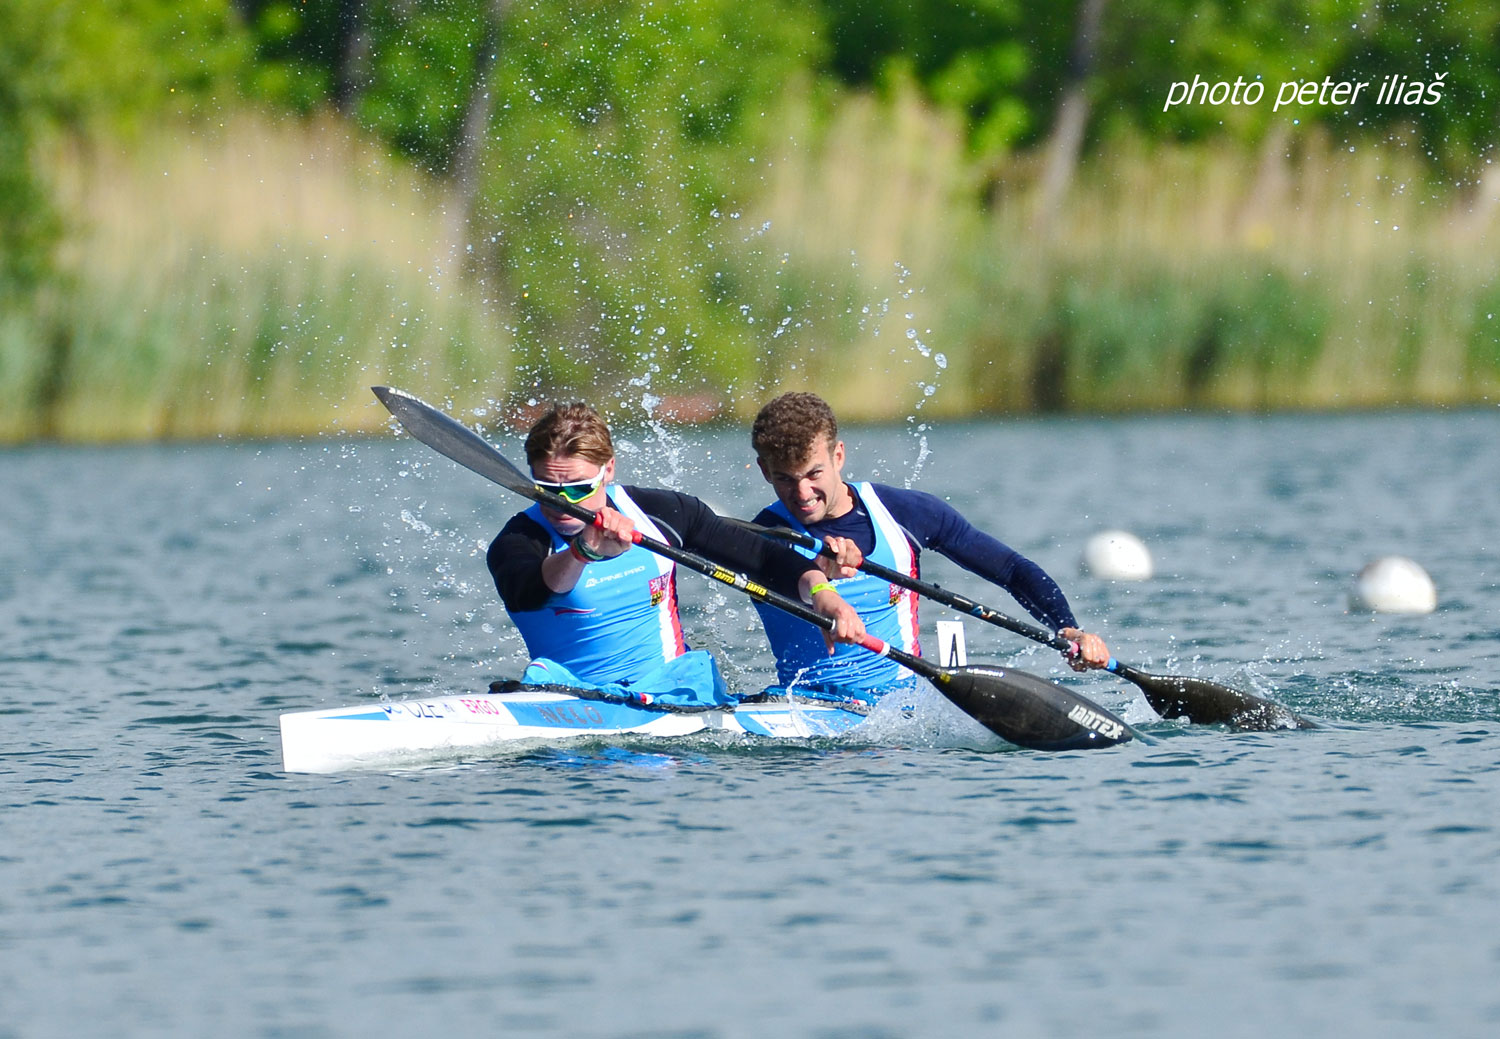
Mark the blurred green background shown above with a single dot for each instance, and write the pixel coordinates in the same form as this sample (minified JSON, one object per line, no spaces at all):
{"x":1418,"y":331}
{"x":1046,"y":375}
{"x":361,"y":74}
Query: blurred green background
{"x":229,"y":217}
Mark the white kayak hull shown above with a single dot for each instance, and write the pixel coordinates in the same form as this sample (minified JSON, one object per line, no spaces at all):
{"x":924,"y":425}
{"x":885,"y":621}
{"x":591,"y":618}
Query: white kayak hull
{"x":388,"y":734}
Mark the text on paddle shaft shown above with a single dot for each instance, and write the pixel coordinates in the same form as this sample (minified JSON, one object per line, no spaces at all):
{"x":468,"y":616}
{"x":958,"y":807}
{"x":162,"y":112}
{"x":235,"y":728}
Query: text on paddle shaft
{"x":739,"y":581}
{"x":1104,"y":726}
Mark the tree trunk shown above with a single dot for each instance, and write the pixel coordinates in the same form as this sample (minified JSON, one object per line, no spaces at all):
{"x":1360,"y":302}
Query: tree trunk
{"x":1066,"y":142}
{"x":463,"y":164}
{"x":352,"y":72}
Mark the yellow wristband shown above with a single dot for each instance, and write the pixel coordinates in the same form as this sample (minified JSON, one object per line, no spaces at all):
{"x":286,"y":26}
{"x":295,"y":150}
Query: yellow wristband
{"x":821,"y":586}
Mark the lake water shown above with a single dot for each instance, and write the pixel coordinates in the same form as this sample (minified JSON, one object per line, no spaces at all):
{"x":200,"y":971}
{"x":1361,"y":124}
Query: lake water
{"x":159,"y":874}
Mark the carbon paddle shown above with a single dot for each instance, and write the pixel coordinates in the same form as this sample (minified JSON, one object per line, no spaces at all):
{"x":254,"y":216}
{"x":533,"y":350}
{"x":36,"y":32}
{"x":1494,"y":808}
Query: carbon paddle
{"x":1022,"y":708}
{"x":1171,"y":696}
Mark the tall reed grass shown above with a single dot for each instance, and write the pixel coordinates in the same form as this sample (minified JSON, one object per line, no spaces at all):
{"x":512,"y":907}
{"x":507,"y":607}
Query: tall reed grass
{"x":871,"y":227}
{"x":250,"y":279}
{"x":1312,"y":276}
{"x":254,"y":278}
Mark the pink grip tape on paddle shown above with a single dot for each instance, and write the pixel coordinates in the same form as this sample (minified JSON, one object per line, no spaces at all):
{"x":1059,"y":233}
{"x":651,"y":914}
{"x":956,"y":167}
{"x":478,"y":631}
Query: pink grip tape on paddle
{"x":635,"y":535}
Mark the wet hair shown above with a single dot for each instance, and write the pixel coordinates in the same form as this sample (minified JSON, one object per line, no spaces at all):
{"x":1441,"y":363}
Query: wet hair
{"x":787,"y":430}
{"x":570,"y":429}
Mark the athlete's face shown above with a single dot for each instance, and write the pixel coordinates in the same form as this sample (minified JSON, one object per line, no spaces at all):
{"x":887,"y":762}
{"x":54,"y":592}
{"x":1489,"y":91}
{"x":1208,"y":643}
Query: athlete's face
{"x":577,"y":479}
{"x":813,"y":489}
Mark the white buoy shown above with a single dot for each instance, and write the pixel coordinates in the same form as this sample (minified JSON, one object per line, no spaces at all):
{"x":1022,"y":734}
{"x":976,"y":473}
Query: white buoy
{"x":1116,"y":555}
{"x":1393,"y":584}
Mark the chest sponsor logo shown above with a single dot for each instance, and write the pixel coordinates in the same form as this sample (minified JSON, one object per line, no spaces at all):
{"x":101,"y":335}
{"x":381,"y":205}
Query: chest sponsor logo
{"x":659,"y":588}
{"x":594,"y":582}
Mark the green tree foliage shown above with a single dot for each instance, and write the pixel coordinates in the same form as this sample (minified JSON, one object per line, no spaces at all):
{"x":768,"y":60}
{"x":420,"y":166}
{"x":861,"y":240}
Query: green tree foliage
{"x":70,"y":65}
{"x":408,"y":65}
{"x":28,"y":224}
{"x":298,"y":48}
{"x":1002,"y":65}
{"x":1002,"y":62}
{"x":995,"y":61}
{"x":108,"y":65}
{"x":1456,"y":41}
{"x":622,"y":141}
{"x":621,"y":135}
{"x":1451,"y":45}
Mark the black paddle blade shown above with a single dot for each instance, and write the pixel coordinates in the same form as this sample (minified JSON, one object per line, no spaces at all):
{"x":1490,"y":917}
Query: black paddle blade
{"x":450,"y":437}
{"x":1208,"y":703}
{"x":1030,"y":711}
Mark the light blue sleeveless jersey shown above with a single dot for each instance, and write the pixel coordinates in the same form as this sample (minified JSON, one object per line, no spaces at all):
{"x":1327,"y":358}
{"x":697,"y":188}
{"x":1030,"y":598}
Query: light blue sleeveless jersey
{"x":620,"y":620}
{"x":889,"y":613}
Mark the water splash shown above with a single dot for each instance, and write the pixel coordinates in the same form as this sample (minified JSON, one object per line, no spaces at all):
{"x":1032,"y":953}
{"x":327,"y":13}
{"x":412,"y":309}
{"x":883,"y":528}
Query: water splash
{"x":928,"y":385}
{"x":665,"y":448}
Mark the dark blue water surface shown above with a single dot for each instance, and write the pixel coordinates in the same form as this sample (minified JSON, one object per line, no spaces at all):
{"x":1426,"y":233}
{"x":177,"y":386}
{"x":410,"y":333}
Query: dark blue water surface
{"x":160,"y":875}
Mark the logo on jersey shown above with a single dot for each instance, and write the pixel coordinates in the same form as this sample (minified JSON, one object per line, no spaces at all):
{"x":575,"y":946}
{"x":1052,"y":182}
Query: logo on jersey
{"x":594,"y":582}
{"x":659,"y":588}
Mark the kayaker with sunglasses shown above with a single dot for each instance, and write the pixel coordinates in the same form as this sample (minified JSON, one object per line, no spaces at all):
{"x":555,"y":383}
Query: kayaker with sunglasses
{"x":597,"y":610}
{"x":796,"y":442}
